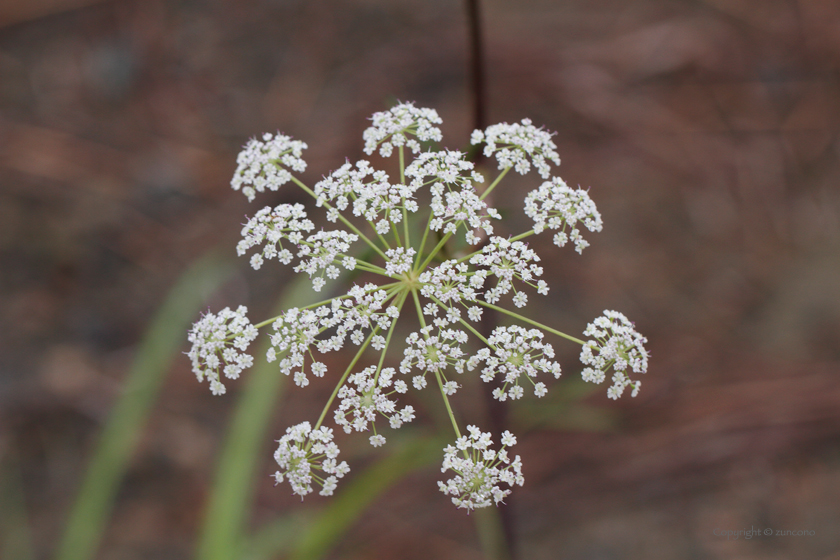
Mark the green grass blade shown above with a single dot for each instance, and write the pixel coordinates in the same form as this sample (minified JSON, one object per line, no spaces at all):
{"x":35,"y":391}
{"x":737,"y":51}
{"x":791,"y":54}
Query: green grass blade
{"x":232,"y":491}
{"x":154,"y":357}
{"x":275,"y":538}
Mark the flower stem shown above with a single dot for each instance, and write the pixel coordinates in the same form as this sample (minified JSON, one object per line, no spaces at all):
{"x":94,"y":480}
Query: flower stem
{"x":434,"y":251}
{"x":400,"y":303}
{"x":448,"y":406}
{"x":366,"y":266}
{"x":492,"y":186}
{"x":437,"y":373}
{"x":396,"y":234}
{"x":344,"y":377}
{"x":522,"y":236}
{"x":422,"y":243}
{"x":530,"y":321}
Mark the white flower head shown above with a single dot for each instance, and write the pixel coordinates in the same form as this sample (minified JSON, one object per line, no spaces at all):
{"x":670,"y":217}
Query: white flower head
{"x":509,"y":260}
{"x":294,"y":336}
{"x":265,"y":163}
{"x":321,"y":251}
{"x":368,"y":192}
{"x":519,"y":355}
{"x":556,"y":206}
{"x":399,"y":260}
{"x":365,"y":396}
{"x":450,"y":285}
{"x":272,"y":226}
{"x":617,"y":345}
{"x":434,"y":353}
{"x":219,"y":342}
{"x":454,"y":200}
{"x":394,"y":127}
{"x":479,"y":471}
{"x":304,"y":450}
{"x":517,"y":145}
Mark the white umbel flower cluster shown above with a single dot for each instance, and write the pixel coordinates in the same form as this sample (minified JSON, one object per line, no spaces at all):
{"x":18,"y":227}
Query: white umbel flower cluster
{"x":391,"y":129}
{"x":508,"y":260}
{"x":376,"y":199}
{"x":447,"y":285}
{"x":304,"y":450}
{"x":320,"y":250}
{"x":479,"y":470}
{"x":219,"y":341}
{"x":399,"y":260}
{"x":295,"y":332}
{"x":264,"y":164}
{"x":434,"y":353}
{"x":617,"y":346}
{"x":520,"y":354}
{"x":271,"y":227}
{"x":454,"y":200}
{"x":556,"y":206}
{"x":517,"y":145}
{"x":364,"y":396}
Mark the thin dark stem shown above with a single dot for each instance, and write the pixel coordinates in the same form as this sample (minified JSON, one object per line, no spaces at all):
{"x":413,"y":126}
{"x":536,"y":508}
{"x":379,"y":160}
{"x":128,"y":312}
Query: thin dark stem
{"x":477,"y":87}
{"x":497,"y":410}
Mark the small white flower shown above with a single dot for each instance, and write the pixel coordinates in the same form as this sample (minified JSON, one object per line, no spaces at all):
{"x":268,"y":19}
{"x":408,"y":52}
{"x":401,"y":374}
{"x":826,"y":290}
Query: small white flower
{"x":508,"y":261}
{"x":434,"y":352}
{"x":270,"y":227}
{"x":454,"y":200}
{"x":370,"y":194}
{"x":517,"y":145}
{"x":364,"y":397}
{"x":297,"y":459}
{"x":519,"y":354}
{"x":479,"y":471}
{"x":399,"y":260}
{"x":295,"y":332}
{"x":556,"y":206}
{"x":618,"y":346}
{"x":450,"y":284}
{"x":318,"y":252}
{"x":264,"y":164}
{"x":219,"y":342}
{"x":392,"y":128}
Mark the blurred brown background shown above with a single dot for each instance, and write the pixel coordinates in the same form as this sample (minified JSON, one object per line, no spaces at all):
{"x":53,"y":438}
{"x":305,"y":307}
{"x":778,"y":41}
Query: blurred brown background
{"x":707,"y":130}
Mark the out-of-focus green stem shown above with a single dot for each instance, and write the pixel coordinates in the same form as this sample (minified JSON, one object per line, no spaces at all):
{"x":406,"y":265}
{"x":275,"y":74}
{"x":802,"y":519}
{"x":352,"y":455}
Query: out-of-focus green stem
{"x":530,"y":321}
{"x":158,"y":349}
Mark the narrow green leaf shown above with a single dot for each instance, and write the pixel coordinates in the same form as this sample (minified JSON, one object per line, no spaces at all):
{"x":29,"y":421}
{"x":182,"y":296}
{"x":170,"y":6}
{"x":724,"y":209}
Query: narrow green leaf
{"x":154,"y":357}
